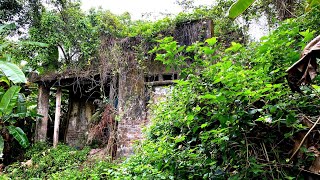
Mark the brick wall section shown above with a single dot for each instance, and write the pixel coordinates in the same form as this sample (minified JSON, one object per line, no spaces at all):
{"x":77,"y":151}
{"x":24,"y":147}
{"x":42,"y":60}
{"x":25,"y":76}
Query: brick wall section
{"x":131,"y":107}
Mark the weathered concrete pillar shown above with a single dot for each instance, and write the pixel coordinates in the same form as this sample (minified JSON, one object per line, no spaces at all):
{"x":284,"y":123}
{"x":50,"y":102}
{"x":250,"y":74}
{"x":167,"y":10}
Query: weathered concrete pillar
{"x":57,"y":117}
{"x":43,"y":110}
{"x":131,"y":105}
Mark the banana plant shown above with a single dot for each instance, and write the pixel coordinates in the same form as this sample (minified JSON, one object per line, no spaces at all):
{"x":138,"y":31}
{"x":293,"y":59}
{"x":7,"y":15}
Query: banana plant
{"x":12,"y":104}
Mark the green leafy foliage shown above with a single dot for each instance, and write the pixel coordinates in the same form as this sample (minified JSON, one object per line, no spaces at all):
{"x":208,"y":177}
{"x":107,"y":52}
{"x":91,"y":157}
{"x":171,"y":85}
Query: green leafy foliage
{"x":233,"y":116}
{"x":13,"y":72}
{"x":239,"y":7}
{"x":19,"y":135}
{"x":9,"y":100}
{"x":77,"y":35}
{"x":70,"y":31}
{"x":13,"y":105}
{"x":312,"y":3}
{"x":62,"y":162}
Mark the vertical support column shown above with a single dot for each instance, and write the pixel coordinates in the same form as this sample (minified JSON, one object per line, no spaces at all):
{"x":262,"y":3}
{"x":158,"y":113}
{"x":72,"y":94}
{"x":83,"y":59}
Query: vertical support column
{"x":43,"y":110}
{"x":57,"y":117}
{"x":131,"y":105}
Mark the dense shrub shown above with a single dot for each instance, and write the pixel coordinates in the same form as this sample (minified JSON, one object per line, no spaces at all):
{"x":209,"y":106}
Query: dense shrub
{"x":233,"y":116}
{"x":62,"y":162}
{"x":48,"y":161}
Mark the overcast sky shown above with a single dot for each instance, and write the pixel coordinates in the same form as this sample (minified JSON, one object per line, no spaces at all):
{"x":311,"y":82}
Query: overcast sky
{"x":139,"y":7}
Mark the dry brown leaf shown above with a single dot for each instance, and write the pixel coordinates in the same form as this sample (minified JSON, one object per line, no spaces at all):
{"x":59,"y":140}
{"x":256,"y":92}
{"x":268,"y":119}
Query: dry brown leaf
{"x":304,"y":70}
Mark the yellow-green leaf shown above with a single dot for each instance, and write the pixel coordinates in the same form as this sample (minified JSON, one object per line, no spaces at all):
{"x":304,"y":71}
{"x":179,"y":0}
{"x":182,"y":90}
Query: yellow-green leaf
{"x":239,"y":7}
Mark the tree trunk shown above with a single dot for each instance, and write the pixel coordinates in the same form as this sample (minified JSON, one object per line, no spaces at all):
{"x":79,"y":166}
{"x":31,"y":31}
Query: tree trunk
{"x":43,"y":110}
{"x":57,"y":118}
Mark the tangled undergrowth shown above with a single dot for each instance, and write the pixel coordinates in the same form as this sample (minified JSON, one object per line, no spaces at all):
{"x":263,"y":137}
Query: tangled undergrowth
{"x":233,"y":117}
{"x":63,"y":162}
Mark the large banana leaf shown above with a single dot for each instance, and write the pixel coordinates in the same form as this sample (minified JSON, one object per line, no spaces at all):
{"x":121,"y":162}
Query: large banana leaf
{"x":19,"y":135}
{"x":9,"y":100}
{"x":13,"y":72}
{"x":239,"y":7}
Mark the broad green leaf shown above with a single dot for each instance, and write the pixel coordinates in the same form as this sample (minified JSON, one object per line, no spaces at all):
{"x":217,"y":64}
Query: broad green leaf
{"x":273,"y":109}
{"x":234,"y":47}
{"x":223,"y":119}
{"x":208,"y":96}
{"x":179,"y":138}
{"x":13,"y":72}
{"x":19,"y":135}
{"x":1,"y":147}
{"x":204,"y":125}
{"x":190,"y":117}
{"x":307,"y":37}
{"x":239,"y":7}
{"x":317,"y":88}
{"x":9,"y":99}
{"x":208,"y":50}
{"x":212,"y":41}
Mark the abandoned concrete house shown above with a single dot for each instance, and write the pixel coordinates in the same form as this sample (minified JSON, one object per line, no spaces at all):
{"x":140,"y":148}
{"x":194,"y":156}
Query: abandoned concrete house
{"x":106,"y":104}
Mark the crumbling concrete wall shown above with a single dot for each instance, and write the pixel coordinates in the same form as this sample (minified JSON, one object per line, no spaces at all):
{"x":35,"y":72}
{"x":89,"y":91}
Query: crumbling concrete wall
{"x":122,"y":60}
{"x":132,"y":85}
{"x":80,"y":112}
{"x":131,"y":100}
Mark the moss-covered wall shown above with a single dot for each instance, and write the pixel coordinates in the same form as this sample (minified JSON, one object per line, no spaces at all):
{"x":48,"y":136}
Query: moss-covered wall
{"x":79,"y":116}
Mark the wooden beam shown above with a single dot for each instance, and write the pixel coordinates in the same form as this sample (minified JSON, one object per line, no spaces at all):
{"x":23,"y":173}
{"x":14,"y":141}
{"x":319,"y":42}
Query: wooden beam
{"x":57,"y":117}
{"x":160,"y":83}
{"x":43,"y":110}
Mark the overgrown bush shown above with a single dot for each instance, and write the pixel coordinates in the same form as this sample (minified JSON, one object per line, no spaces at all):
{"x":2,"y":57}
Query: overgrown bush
{"x":48,"y":161}
{"x":63,"y":162}
{"x":233,"y":116}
